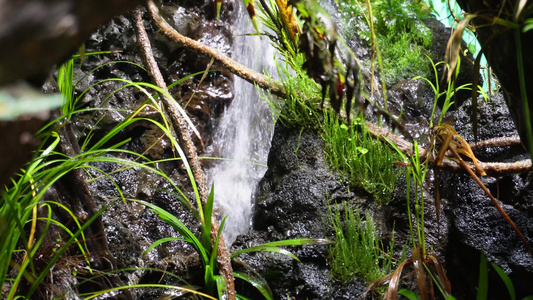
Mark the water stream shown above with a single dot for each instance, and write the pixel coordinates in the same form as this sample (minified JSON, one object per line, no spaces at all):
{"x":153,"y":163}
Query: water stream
{"x":243,"y":134}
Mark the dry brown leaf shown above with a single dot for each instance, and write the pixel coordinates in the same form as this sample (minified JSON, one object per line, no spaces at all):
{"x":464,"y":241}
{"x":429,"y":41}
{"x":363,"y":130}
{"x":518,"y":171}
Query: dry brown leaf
{"x":288,"y":19}
{"x":454,"y":45}
{"x":519,"y":9}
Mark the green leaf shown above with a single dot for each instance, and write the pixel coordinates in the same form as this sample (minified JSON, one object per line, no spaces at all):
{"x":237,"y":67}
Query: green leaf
{"x":159,"y":242}
{"x":482,"y":288}
{"x":179,"y":227}
{"x":206,"y":222}
{"x":22,"y":99}
{"x":265,"y":248}
{"x":273,"y":246}
{"x":298,"y":242}
{"x":222,"y":287}
{"x":256,"y":281}
{"x":362,"y":150}
{"x":209,"y":279}
{"x":409,"y":294}
{"x":528,"y":26}
{"x":506,"y":280}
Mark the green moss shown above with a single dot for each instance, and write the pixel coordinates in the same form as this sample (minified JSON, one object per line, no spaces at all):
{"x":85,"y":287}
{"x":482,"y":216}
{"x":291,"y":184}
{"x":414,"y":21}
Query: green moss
{"x":401,"y":35}
{"x":364,"y":161}
{"x":402,"y":57}
{"x":301,"y":106}
{"x":358,"y":251}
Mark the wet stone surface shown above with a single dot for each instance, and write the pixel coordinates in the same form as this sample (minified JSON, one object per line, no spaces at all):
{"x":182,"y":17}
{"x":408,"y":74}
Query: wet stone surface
{"x":294,"y":196}
{"x":129,"y":226}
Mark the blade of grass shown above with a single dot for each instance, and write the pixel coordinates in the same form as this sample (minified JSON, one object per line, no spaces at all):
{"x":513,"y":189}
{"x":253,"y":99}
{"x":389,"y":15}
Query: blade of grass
{"x":508,"y":282}
{"x":256,"y":281}
{"x":483,"y":282}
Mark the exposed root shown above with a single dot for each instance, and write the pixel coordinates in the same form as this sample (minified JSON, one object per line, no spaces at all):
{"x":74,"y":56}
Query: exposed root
{"x":491,"y":168}
{"x":234,"y":67}
{"x":184,"y":135}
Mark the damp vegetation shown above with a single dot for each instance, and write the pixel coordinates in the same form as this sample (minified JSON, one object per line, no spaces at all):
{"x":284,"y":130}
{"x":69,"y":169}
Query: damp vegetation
{"x":358,"y":251}
{"x":395,"y":32}
{"x":366,"y":162}
{"x":324,"y":88}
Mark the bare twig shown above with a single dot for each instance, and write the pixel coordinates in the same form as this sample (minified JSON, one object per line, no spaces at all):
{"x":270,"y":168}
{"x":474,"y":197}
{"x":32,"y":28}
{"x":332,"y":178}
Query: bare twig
{"x":182,"y":131}
{"x":224,"y":261}
{"x":275,"y":87}
{"x":496,"y":142}
{"x":491,"y":168}
{"x":236,"y":68}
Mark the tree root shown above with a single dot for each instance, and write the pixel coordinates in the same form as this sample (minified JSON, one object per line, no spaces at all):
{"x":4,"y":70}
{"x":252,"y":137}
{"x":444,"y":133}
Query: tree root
{"x":491,"y":168}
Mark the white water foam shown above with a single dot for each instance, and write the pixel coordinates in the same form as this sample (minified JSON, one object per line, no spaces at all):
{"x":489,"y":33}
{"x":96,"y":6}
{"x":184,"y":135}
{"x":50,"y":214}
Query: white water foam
{"x":243,"y":134}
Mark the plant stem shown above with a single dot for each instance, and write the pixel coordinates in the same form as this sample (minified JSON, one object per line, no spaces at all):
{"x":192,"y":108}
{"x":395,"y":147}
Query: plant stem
{"x":185,"y":139}
{"x":523,"y":92}
{"x":236,"y":68}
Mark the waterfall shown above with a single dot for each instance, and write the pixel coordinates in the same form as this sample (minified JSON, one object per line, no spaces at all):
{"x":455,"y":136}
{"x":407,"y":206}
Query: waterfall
{"x":243,"y":134}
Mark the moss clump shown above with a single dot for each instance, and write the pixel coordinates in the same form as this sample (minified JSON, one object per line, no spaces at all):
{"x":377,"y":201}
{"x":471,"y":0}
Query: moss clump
{"x":301,"y":107}
{"x":399,"y":30}
{"x":366,"y":162}
{"x":358,"y":251}
{"x":402,"y":57}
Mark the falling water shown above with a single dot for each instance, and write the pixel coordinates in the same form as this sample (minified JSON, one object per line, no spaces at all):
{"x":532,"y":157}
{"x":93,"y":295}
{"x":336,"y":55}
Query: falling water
{"x":243,"y":134}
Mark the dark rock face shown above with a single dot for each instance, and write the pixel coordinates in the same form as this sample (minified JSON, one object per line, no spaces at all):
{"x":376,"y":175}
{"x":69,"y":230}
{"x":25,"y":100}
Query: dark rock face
{"x":476,"y":223}
{"x":296,"y":182}
{"x":204,"y":101}
{"x":293,"y":203}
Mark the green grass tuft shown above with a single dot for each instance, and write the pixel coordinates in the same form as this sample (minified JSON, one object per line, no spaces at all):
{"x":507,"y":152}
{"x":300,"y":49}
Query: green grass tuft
{"x":358,"y":252}
{"x":300,"y":108}
{"x":365,"y":162}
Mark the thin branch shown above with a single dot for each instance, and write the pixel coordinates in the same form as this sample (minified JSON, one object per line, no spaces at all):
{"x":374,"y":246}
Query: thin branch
{"x":236,"y":68}
{"x":182,"y":131}
{"x":492,"y":168}
{"x":223,"y":257}
{"x":496,"y":142}
{"x":495,"y":169}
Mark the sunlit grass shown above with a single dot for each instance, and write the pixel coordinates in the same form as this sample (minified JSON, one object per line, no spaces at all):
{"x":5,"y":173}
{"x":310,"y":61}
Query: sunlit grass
{"x":357,"y":251}
{"x":367,"y":163}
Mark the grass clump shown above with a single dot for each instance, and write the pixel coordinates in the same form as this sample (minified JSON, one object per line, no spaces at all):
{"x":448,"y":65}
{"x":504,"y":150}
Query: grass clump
{"x":401,"y":57}
{"x":398,"y":29}
{"x":366,"y":163}
{"x":301,"y":107}
{"x":357,"y":251}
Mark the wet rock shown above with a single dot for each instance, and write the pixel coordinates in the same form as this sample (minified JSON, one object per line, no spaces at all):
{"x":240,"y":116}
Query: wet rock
{"x":479,"y":226}
{"x":294,"y":199}
{"x":476,"y":224}
{"x":175,"y":63}
{"x":296,"y":182}
{"x":408,"y":100}
{"x":493,"y":121}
